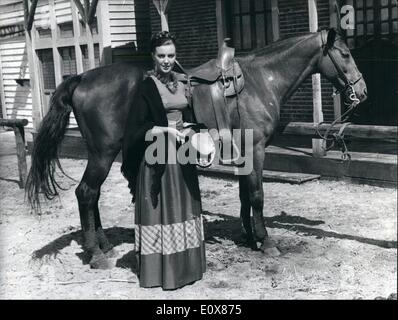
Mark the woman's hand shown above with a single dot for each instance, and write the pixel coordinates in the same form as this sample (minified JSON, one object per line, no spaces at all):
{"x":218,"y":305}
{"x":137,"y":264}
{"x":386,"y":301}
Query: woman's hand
{"x":158,"y":130}
{"x":180,"y":136}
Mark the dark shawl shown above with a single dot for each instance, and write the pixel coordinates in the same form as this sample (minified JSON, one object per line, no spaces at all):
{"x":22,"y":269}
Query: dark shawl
{"x":147,"y":111}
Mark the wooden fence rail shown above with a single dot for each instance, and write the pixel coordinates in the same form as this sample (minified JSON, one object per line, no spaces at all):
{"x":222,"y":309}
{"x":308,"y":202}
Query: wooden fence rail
{"x":352,"y":130}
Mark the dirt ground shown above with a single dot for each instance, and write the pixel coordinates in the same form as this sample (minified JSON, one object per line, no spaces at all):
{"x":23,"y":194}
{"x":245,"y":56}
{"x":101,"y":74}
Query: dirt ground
{"x":337,"y":241}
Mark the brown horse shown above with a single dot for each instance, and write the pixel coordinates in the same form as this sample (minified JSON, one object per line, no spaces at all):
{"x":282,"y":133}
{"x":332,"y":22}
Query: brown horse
{"x":101,"y":99}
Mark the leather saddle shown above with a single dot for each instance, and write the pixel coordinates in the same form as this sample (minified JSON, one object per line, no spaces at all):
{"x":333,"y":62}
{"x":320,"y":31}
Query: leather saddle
{"x":208,"y":87}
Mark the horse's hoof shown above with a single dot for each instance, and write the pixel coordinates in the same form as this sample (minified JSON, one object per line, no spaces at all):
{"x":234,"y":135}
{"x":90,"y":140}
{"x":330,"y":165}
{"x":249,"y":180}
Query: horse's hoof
{"x":250,"y":242}
{"x":252,"y":245}
{"x":260,"y":238}
{"x":272,"y":252}
{"x":269,"y":248}
{"x":106,"y":248}
{"x":111,"y":253}
{"x":260,"y":233}
{"x":100,"y":262}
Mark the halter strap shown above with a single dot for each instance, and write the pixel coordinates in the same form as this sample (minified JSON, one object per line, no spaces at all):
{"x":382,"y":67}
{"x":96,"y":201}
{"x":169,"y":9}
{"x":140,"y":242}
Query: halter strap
{"x":349,"y":85}
{"x":324,"y":35}
{"x":342,"y":75}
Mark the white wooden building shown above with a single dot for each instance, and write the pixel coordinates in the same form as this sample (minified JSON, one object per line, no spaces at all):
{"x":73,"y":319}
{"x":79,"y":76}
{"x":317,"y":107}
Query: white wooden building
{"x":61,"y":44}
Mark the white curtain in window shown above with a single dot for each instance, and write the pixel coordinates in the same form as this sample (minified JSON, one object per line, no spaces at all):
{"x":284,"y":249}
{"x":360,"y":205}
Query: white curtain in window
{"x":162,"y":7}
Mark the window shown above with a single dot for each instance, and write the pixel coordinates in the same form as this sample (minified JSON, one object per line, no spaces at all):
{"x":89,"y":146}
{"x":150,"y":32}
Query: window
{"x":68,"y":64}
{"x":86,"y":64}
{"x":247,"y":24}
{"x":66,"y":30}
{"x":375,"y":51}
{"x":47,"y":68}
{"x":373,"y":18}
{"x":389,"y":17}
{"x":43,"y":33}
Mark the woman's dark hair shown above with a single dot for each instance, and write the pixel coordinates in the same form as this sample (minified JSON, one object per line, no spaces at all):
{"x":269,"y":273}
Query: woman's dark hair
{"x":160,"y":38}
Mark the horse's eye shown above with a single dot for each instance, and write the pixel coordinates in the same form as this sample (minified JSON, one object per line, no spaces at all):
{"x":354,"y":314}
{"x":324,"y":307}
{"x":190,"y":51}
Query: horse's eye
{"x":345,"y":54}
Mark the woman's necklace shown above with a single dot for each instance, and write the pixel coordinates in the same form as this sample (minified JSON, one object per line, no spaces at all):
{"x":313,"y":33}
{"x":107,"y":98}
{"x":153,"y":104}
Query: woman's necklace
{"x":169,"y":80}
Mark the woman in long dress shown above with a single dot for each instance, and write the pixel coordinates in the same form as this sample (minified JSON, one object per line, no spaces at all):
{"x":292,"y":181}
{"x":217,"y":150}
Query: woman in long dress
{"x":169,"y":238}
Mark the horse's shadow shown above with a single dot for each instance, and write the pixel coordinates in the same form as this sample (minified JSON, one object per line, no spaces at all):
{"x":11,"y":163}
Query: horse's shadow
{"x":230,"y":228}
{"x":115,"y":235}
{"x":226,"y":227}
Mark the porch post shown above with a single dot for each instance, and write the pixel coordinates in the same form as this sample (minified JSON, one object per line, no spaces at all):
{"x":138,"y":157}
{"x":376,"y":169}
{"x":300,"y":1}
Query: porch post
{"x":221,"y":23}
{"x":54,"y":38}
{"x":334,"y":24}
{"x":2,"y":95}
{"x":272,"y":20}
{"x":37,"y":112}
{"x":104,"y":31}
{"x":89,"y":35}
{"x":317,"y":144}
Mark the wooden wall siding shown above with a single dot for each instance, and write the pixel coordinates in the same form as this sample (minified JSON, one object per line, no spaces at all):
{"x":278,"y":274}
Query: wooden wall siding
{"x":14,"y":65}
{"x":42,"y":15}
{"x":293,"y":17}
{"x":195,"y":25}
{"x":14,"y":62}
{"x":130,"y":30}
{"x":12,"y":14}
{"x":63,"y":11}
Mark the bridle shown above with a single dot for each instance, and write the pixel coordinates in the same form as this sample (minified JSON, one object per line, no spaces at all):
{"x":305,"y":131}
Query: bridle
{"x":348,"y":84}
{"x":353,"y":101}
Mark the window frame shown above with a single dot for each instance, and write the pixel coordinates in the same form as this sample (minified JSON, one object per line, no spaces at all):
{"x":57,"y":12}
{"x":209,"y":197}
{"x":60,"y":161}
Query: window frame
{"x":358,"y":40}
{"x":252,"y":13}
{"x":40,"y":53}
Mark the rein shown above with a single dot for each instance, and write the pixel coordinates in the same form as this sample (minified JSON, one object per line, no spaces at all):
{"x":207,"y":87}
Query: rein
{"x":348,"y":90}
{"x":337,"y":138}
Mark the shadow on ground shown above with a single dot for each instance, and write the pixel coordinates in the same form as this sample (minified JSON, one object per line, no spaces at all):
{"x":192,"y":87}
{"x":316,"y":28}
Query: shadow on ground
{"x":230,"y":228}
{"x":10,"y":180}
{"x":116,"y":235}
{"x":225,"y":227}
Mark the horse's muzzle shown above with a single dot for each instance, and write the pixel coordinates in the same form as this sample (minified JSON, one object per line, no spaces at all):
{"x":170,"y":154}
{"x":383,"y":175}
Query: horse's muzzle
{"x":361,"y":91}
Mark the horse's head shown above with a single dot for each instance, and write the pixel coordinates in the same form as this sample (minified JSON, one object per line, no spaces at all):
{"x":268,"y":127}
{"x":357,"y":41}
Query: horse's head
{"x":338,"y":66}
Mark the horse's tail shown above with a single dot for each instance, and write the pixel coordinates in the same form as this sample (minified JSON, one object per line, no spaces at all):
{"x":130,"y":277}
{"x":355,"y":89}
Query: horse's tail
{"x":45,"y":148}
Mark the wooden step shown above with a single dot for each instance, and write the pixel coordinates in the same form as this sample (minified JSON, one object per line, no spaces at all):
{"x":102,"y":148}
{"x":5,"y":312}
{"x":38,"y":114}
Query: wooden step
{"x":268,"y":175}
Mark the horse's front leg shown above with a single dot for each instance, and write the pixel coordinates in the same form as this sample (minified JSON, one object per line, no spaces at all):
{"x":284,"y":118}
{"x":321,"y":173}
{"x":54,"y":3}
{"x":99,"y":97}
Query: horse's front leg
{"x":254,"y":188}
{"x":256,"y":198}
{"x":245,"y":212}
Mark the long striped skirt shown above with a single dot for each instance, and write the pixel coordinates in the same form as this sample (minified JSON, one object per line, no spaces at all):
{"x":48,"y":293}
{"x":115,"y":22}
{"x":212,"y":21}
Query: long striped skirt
{"x":169,"y":239}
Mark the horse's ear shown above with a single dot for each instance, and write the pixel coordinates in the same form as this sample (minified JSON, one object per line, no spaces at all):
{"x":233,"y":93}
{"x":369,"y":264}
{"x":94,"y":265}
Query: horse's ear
{"x":338,"y":16}
{"x":331,"y":37}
